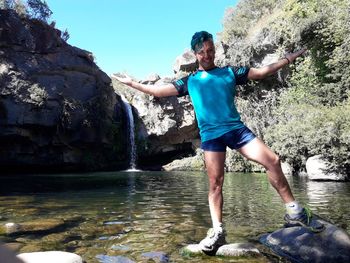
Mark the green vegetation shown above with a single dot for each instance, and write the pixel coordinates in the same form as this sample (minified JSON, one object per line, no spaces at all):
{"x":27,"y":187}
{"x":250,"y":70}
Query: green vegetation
{"x":35,"y":9}
{"x":307,"y":111}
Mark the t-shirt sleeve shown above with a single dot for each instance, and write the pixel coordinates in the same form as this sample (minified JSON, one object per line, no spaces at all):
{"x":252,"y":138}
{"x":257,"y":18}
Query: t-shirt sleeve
{"x":181,"y":86}
{"x":241,"y":75}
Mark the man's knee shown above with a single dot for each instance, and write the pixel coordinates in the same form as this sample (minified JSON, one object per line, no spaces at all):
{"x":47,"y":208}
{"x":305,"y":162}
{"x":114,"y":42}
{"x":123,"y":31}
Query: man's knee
{"x":215,"y":184}
{"x":274,"y":162}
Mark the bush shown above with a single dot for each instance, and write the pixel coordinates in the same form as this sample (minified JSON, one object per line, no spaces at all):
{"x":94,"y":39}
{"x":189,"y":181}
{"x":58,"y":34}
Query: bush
{"x":306,"y":111}
{"x":305,"y":130}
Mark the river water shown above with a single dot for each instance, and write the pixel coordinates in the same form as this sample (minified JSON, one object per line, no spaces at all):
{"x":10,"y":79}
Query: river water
{"x":119,"y":216}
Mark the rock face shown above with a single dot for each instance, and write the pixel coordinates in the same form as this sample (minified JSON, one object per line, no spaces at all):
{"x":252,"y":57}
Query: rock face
{"x":318,"y":169}
{"x":165,"y":128}
{"x":58,"y":111}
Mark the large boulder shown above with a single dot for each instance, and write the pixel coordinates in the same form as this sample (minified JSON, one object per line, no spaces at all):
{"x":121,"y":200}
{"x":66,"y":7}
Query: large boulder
{"x":318,"y":168}
{"x":298,"y":244}
{"x":58,"y":110}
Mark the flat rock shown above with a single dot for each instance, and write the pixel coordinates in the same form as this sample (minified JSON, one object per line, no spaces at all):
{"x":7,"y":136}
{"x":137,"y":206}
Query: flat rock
{"x":113,"y":259}
{"x":298,"y":244}
{"x":50,"y":256}
{"x":229,"y":250}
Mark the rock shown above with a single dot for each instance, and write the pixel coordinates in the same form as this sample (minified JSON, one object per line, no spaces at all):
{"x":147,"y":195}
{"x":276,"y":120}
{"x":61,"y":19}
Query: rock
{"x":8,"y":256}
{"x":185,"y":62}
{"x":58,"y":110}
{"x":194,"y":163}
{"x":157,"y":257}
{"x":229,"y":250}
{"x":297,"y":244}
{"x":287,"y":169}
{"x":151,"y":79}
{"x":41,"y":225}
{"x":50,"y":256}
{"x":12,"y":228}
{"x":318,"y":169}
{"x":113,"y":259}
{"x":166,"y":128}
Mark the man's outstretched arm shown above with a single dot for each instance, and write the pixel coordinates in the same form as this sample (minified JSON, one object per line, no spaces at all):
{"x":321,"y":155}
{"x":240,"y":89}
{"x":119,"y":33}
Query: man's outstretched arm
{"x":164,"y":90}
{"x":263,"y":72}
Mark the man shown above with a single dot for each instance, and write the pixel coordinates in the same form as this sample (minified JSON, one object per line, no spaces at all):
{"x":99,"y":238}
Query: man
{"x":212,"y":91}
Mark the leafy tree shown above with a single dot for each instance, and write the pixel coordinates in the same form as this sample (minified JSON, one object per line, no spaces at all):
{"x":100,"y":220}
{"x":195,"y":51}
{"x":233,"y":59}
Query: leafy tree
{"x":39,"y":9}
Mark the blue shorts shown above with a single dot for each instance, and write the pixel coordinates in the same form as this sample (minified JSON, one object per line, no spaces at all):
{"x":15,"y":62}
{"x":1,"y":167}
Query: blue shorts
{"x":234,"y":139}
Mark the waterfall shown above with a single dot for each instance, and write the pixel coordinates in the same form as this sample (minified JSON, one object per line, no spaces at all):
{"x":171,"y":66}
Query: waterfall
{"x":131,"y":132}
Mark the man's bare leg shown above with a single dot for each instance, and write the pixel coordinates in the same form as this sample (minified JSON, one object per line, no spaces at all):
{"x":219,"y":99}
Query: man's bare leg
{"x":296,"y":215}
{"x":215,"y":164}
{"x":257,"y":151}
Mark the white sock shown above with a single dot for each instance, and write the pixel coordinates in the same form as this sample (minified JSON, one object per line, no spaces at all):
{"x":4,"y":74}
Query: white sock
{"x":218,"y":226}
{"x":293,"y":209}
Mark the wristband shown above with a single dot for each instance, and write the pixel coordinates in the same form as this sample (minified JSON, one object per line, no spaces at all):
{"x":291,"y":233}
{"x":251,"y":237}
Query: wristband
{"x":287,"y":60}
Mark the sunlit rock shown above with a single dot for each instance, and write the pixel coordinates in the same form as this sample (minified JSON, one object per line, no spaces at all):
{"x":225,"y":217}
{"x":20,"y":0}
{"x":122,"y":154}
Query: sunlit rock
{"x":319,"y":169}
{"x":229,"y":250}
{"x":50,"y":256}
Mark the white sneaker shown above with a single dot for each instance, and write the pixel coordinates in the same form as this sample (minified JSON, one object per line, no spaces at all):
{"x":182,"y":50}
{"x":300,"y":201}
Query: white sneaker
{"x":213,"y":241}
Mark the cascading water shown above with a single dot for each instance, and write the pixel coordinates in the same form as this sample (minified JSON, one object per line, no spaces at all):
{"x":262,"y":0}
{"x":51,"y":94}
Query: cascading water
{"x":131,"y":132}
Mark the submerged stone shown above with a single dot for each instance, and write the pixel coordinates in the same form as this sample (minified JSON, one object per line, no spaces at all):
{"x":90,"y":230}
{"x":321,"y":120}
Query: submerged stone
{"x":298,"y":244}
{"x":157,"y":257}
{"x":40,"y":225}
{"x":113,"y":259}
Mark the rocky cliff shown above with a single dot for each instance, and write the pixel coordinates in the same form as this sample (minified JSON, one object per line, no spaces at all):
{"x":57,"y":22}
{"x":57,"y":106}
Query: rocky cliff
{"x":165,"y":128}
{"x":58,"y":110}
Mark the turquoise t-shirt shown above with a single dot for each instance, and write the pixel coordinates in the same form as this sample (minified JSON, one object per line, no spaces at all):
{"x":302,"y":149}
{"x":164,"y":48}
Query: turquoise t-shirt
{"x":213,"y":97}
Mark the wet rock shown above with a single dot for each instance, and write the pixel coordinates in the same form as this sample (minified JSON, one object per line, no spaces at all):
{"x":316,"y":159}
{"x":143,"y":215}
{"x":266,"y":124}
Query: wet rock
{"x":229,"y":250}
{"x":10,"y":228}
{"x":120,"y":247}
{"x":157,"y":257}
{"x":56,"y":237}
{"x":298,"y":244}
{"x":41,"y":225}
{"x":50,"y":256}
{"x":13,"y":246}
{"x":8,"y":256}
{"x":113,"y":259}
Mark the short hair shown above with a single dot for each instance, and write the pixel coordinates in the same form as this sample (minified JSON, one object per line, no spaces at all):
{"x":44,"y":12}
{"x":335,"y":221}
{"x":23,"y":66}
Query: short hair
{"x":198,"y":38}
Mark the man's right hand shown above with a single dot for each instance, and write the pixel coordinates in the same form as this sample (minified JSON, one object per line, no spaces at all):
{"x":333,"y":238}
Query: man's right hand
{"x":127,"y":80}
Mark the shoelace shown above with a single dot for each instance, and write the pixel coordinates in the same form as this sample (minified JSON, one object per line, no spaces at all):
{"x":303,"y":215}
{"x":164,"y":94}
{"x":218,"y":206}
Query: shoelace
{"x":308,"y":214}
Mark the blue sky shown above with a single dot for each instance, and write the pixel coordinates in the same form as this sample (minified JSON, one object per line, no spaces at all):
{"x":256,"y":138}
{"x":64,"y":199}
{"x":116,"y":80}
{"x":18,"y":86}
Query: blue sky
{"x":135,"y":36}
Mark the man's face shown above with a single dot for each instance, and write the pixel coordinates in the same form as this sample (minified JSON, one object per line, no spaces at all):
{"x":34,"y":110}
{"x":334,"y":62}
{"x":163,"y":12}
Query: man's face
{"x":206,"y":55}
